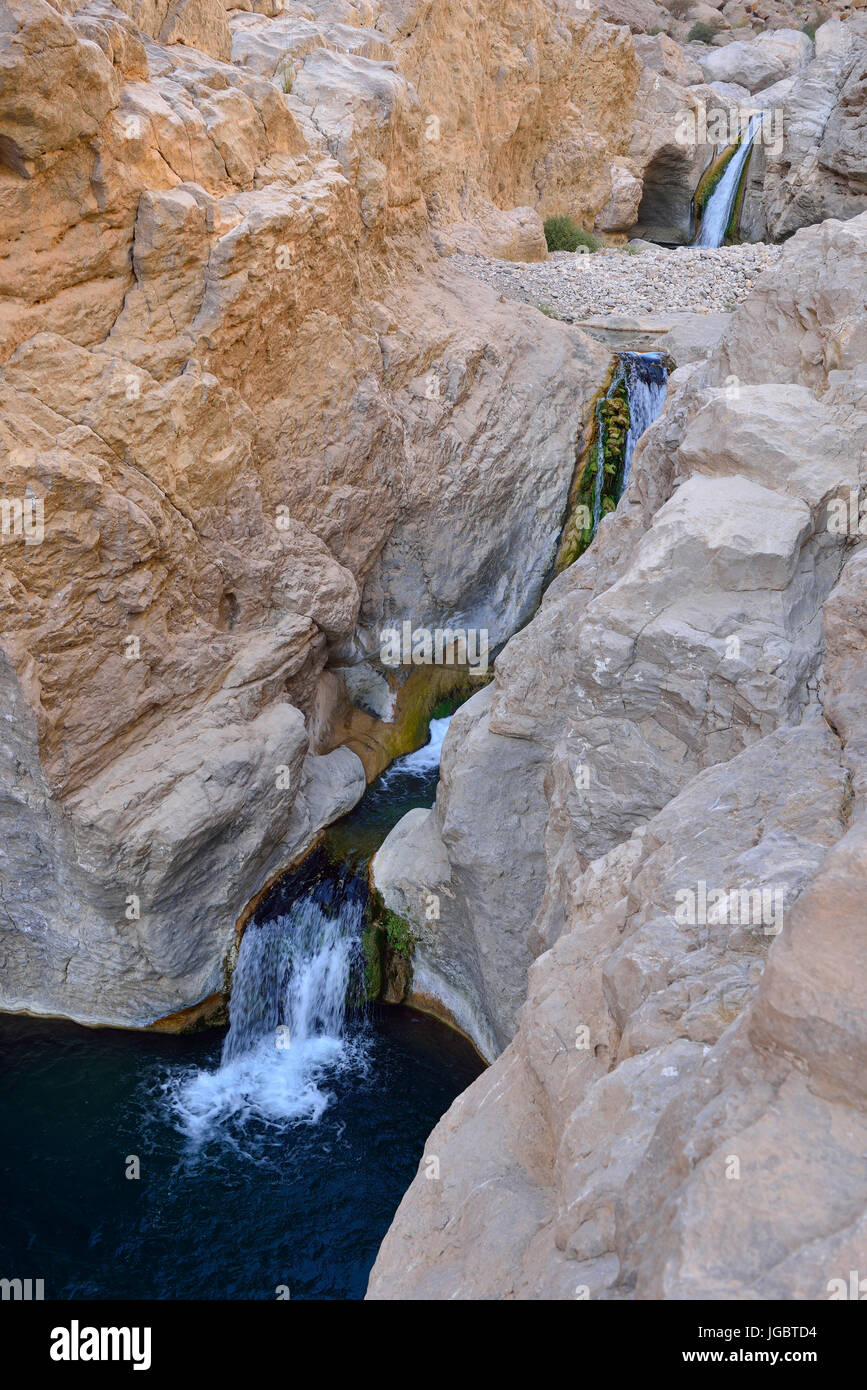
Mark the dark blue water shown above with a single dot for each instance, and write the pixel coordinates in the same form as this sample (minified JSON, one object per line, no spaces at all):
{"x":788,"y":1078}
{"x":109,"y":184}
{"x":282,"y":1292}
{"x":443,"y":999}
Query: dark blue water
{"x":303,"y":1204}
{"x":263,"y":1169}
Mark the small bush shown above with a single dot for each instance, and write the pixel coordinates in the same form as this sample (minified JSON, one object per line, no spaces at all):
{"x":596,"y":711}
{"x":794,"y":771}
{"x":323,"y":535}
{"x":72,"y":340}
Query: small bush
{"x":399,"y":933}
{"x":562,"y":234}
{"x":701,"y":33}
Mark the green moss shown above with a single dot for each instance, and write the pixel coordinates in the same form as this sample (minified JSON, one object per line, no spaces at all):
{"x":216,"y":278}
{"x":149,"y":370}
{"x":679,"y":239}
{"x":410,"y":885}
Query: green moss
{"x":709,"y":181}
{"x":422,"y":690}
{"x":371,"y":945}
{"x":611,"y":425}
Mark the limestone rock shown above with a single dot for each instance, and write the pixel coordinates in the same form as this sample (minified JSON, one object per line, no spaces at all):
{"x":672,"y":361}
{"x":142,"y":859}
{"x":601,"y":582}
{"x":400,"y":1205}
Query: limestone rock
{"x":516,"y":235}
{"x":199,"y":23}
{"x":639,"y":15}
{"x":621,"y":210}
{"x":759,"y":62}
{"x":56,"y":86}
{"x":665,"y":1047}
{"x":813,"y":169}
{"x":661,"y":54}
{"x":229,"y":513}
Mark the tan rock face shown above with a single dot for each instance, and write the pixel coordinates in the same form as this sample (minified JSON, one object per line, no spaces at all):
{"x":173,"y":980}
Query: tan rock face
{"x":524,"y":107}
{"x":518,"y":235}
{"x":692,"y":904}
{"x":251,"y":404}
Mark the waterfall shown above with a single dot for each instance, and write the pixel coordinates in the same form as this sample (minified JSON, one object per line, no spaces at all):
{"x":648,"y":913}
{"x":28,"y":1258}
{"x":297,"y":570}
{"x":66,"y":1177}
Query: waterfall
{"x":290,"y":983}
{"x":287,"y":1017}
{"x":646,"y":376}
{"x":718,"y":211}
{"x":299,"y":961}
{"x":423,"y":761}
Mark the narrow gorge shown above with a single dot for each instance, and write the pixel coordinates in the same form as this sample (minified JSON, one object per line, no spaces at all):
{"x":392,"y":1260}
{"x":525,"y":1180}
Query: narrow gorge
{"x":433,"y":649}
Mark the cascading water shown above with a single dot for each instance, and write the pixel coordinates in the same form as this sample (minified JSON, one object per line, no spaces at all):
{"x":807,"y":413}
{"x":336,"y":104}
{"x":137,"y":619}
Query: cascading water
{"x":289,"y":1029}
{"x":718,"y":211}
{"x":287,"y":1015}
{"x":274,"y":1161}
{"x":632,"y":402}
{"x":423,"y":761}
{"x":646,"y":376}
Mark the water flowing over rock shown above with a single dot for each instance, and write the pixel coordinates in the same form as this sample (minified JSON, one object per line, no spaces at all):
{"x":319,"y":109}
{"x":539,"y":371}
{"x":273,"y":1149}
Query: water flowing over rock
{"x":691,"y":1042}
{"x":287,"y":1018}
{"x":721,"y":203}
{"x":694,"y":102}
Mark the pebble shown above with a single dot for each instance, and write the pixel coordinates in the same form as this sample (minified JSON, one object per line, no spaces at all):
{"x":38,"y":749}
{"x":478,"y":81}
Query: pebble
{"x":617,"y":281}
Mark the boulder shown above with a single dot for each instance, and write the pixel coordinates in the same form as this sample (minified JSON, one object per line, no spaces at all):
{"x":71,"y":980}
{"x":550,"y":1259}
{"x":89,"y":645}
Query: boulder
{"x":621,"y":211}
{"x":757,"y":63}
{"x":515,"y":235}
{"x":661,"y":54}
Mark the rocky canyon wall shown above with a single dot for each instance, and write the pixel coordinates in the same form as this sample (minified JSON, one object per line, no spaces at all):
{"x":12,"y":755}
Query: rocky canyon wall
{"x":247,"y":416}
{"x":651,"y":826}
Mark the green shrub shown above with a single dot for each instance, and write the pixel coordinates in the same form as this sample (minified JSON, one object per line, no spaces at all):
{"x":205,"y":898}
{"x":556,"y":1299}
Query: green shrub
{"x":399,"y":933}
{"x":562,"y":234}
{"x":701,"y":33}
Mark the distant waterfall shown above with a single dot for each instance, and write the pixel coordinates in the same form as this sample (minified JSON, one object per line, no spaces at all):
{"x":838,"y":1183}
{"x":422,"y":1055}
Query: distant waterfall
{"x":718,"y":211}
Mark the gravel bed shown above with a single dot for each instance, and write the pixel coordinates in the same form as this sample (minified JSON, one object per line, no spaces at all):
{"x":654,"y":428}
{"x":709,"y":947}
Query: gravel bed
{"x":622,"y":282}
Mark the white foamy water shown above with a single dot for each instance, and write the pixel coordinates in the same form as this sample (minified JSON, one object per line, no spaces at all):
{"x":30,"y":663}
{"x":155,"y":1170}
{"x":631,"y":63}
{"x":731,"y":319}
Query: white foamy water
{"x":287,"y":1035}
{"x":646,"y":382}
{"x":287,"y":1020}
{"x":423,"y":760}
{"x":721,"y":202}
